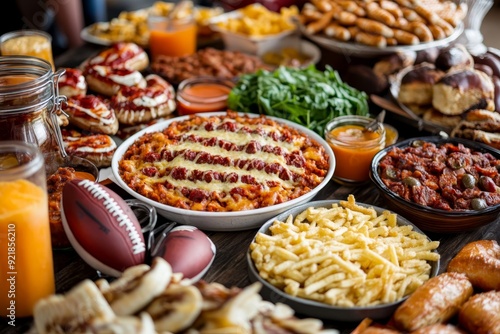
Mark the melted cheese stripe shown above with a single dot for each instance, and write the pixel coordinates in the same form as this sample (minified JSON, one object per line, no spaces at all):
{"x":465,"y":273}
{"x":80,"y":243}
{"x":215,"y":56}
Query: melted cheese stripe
{"x":260,"y":176}
{"x":101,"y":113}
{"x":242,"y":138}
{"x":267,"y":158}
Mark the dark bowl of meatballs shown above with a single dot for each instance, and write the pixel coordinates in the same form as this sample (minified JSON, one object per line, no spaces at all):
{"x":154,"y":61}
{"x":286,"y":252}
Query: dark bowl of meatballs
{"x":442,"y":185}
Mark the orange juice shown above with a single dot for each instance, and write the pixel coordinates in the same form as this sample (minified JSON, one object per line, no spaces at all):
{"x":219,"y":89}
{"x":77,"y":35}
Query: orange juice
{"x":26,"y":268}
{"x":173,"y":38}
{"x":28,"y":43}
{"x":353,"y":147}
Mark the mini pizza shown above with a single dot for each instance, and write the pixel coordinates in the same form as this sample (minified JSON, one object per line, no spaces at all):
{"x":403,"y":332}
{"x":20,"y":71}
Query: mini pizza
{"x":136,"y":105}
{"x":222,"y":163}
{"x":91,"y":113}
{"x":120,"y":55}
{"x":98,"y":148}
{"x":72,"y":83}
{"x":107,"y":81}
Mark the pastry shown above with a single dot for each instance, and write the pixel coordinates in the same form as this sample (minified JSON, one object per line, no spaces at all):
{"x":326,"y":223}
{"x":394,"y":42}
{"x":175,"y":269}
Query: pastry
{"x":417,"y":84}
{"x":462,"y":90}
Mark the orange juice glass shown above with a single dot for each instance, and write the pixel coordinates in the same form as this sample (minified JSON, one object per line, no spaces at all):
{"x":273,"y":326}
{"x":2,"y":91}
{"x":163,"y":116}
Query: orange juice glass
{"x":172,"y":37}
{"x":34,"y":43}
{"x":353,"y":147}
{"x":26,"y":266}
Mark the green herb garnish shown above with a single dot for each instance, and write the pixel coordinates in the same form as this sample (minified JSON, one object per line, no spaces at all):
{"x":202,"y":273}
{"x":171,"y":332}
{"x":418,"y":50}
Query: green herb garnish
{"x":309,"y":97}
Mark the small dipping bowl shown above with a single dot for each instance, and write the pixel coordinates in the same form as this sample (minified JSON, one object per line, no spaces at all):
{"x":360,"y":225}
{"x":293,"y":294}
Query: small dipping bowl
{"x":353,"y":147}
{"x":203,"y":94}
{"x":391,"y":134}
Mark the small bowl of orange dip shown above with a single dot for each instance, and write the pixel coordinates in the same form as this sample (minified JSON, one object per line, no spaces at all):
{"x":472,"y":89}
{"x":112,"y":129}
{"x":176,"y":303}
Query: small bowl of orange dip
{"x":203,"y":94}
{"x":354,"y":147}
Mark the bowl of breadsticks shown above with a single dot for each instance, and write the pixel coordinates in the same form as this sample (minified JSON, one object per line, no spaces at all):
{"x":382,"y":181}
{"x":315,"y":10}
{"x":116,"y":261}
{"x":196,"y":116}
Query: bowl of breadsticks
{"x":374,"y":28}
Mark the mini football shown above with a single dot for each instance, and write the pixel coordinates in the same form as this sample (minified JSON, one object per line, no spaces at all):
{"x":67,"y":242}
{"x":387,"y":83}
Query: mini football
{"x":101,"y":227}
{"x":188,"y":251}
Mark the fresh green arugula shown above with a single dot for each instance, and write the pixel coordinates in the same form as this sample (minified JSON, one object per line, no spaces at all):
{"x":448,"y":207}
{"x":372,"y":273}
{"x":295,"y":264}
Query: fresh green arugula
{"x":308,"y":96}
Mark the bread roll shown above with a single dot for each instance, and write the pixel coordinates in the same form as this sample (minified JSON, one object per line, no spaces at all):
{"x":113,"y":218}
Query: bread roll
{"x":454,"y":57}
{"x":417,"y":84}
{"x":462,"y":90}
{"x":480,"y":261}
{"x":436,"y":301}
{"x":481,"y":313}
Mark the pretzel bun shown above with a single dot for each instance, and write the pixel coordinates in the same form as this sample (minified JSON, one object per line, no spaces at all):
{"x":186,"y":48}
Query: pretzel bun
{"x":481,"y":313}
{"x":462,"y":90}
{"x":417,"y":84}
{"x":435,"y":301}
{"x":480,"y":261}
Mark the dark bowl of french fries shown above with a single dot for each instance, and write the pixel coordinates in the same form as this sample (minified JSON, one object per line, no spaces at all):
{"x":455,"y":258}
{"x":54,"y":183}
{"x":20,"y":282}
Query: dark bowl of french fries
{"x":341,"y":260}
{"x":455,"y":191}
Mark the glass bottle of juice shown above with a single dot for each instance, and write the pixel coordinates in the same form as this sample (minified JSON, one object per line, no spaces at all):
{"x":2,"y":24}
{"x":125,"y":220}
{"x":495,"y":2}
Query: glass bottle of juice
{"x":26,"y":265}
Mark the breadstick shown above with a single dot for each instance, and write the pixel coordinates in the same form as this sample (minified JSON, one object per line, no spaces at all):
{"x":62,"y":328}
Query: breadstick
{"x":411,"y":15}
{"x":392,"y":41}
{"x":374,"y":11}
{"x":345,"y":18}
{"x":431,"y":17}
{"x":402,"y":23}
{"x":447,"y":28}
{"x":351,"y":7}
{"x":323,"y":5}
{"x":316,"y":26}
{"x":404,"y":37}
{"x":437,"y":32}
{"x":392,"y":8}
{"x":353,"y":30}
{"x":405,"y":3}
{"x":374,"y":27}
{"x":370,"y":39}
{"x":310,"y":13}
{"x":337,"y":31}
{"x":420,"y":29}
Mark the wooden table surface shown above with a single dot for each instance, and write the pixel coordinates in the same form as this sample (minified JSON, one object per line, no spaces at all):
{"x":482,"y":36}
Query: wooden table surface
{"x":229,"y":267}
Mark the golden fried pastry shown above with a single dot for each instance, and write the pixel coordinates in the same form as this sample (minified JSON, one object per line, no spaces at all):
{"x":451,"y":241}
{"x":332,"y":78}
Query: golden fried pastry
{"x":481,"y":313}
{"x":480,"y":261}
{"x":436,"y":301}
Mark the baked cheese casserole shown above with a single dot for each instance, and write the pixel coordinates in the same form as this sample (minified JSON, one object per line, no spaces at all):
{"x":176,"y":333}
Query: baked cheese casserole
{"x":228,"y":162}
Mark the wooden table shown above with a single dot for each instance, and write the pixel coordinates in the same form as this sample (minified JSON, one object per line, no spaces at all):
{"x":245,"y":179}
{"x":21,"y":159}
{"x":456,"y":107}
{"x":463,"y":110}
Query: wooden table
{"x":229,"y":267}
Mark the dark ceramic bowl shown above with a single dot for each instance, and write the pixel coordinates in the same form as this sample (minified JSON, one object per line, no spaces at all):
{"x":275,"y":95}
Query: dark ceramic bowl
{"x":431,"y":219}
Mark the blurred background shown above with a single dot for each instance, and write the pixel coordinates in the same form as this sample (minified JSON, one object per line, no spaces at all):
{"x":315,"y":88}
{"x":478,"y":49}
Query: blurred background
{"x":61,"y":19}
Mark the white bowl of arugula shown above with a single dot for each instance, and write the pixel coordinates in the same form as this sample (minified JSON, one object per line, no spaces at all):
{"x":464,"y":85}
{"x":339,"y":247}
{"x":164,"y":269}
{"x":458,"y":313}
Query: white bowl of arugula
{"x":307,"y":96}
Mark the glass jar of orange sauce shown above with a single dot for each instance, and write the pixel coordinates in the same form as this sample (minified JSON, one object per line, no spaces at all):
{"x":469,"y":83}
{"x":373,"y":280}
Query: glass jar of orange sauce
{"x":354,"y":148}
{"x":172,"y":36}
{"x":26,"y":267}
{"x":34,"y":43}
{"x":29,"y":102}
{"x":203,"y":94}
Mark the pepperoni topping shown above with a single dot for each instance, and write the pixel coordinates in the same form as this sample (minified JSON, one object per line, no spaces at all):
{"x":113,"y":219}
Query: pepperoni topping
{"x":70,"y":78}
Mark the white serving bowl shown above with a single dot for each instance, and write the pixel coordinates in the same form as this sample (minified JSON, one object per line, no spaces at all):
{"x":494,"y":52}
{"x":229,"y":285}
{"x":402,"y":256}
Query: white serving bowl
{"x":221,"y":221}
{"x":254,"y":45}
